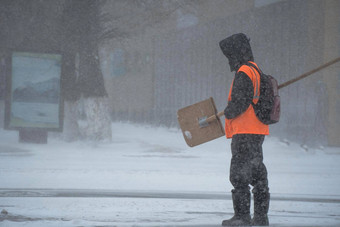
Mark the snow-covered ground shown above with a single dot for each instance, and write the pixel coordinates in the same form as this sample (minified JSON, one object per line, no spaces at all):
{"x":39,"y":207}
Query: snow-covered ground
{"x":149,"y":177}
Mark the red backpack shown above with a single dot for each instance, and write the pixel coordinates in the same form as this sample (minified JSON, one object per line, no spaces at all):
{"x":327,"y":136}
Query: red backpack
{"x":267,"y":109}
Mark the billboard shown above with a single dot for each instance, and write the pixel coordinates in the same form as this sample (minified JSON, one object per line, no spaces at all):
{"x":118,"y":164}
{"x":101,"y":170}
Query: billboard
{"x":34,"y":91}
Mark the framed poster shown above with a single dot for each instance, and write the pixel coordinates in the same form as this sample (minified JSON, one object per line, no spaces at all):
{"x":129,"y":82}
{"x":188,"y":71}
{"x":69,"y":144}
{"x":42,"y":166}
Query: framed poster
{"x":34,"y":91}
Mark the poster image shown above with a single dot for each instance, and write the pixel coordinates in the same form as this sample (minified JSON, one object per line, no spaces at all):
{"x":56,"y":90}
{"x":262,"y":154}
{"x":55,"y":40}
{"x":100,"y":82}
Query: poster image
{"x":35,"y":91}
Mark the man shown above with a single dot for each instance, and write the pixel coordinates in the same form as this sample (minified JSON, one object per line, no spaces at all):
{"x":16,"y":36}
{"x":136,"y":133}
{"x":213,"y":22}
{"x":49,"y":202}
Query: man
{"x":247,"y":133}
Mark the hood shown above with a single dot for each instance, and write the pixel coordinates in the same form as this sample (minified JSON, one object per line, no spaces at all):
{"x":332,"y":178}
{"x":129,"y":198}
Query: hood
{"x":237,"y":49}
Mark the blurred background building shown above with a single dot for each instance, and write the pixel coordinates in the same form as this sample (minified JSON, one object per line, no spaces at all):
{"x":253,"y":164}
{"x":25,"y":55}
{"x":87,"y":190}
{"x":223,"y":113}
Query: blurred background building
{"x":164,"y":55}
{"x":152,"y":71}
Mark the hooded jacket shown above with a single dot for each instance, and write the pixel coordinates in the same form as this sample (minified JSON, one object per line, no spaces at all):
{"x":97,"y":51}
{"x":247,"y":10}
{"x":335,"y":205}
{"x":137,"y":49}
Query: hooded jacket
{"x":239,"y":113}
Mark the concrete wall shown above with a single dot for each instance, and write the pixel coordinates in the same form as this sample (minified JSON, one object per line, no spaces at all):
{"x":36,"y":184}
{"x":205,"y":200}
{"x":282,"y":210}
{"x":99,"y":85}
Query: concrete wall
{"x":331,"y":76}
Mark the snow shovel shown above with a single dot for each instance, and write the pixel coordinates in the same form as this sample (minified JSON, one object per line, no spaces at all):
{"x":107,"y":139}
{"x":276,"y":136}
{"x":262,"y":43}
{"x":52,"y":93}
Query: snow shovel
{"x":200,"y":122}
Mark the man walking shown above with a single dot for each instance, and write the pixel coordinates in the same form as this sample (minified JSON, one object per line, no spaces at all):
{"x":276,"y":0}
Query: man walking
{"x":247,"y":133}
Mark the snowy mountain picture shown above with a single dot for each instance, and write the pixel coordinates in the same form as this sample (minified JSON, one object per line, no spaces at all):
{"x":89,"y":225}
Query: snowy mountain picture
{"x":42,"y":92}
{"x":35,"y":94}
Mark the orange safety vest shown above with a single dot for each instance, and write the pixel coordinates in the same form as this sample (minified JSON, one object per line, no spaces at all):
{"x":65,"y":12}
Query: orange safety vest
{"x":247,"y":122}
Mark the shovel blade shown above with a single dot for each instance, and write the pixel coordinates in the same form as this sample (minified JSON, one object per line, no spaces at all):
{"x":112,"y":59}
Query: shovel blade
{"x":190,"y":121}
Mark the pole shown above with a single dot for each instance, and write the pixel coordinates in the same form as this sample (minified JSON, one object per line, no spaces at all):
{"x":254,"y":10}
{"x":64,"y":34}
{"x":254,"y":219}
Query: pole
{"x":309,"y":73}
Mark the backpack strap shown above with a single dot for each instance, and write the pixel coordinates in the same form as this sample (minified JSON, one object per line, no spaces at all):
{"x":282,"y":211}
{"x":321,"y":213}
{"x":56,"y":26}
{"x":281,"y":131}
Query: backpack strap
{"x":255,"y":80}
{"x":254,"y":66}
{"x":257,"y":86}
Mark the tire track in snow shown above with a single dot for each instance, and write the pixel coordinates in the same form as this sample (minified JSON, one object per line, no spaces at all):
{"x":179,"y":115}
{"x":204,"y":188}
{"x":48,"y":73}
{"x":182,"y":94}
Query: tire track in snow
{"x":98,"y":193}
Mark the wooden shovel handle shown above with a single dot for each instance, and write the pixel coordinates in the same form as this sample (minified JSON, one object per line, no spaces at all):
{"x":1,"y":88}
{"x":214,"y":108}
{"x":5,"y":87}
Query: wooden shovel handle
{"x":309,"y":73}
{"x":220,"y":114}
{"x":214,"y":117}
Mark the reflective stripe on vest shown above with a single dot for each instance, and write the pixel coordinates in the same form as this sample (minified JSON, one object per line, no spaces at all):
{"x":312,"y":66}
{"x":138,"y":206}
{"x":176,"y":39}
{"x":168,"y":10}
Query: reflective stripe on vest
{"x":256,"y":87}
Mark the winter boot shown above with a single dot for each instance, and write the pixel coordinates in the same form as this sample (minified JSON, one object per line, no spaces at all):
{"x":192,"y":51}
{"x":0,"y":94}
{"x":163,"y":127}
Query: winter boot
{"x":261,"y":207}
{"x":241,"y":202}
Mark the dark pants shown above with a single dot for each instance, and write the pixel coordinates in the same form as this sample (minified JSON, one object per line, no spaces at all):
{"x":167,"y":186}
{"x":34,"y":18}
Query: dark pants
{"x":247,"y":167}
